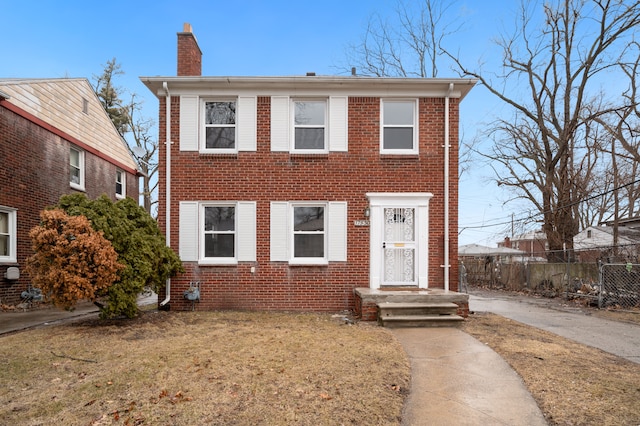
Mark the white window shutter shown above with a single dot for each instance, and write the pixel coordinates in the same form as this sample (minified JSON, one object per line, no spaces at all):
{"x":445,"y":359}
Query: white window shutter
{"x":280,"y":123}
{"x":246,"y":217}
{"x":188,"y":233}
{"x":279,"y":241}
{"x":246,"y":124}
{"x":189,"y":123}
{"x":337,"y":232}
{"x":338,"y":123}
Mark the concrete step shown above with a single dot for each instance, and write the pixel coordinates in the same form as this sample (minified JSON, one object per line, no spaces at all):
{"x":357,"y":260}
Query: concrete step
{"x":418,"y":314}
{"x":421,"y":321}
{"x":416,"y":308}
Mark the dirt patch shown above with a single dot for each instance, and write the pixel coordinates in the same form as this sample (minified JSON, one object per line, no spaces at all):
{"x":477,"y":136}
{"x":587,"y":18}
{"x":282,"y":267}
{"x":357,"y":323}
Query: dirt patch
{"x":572,"y":383}
{"x":204,"y":368}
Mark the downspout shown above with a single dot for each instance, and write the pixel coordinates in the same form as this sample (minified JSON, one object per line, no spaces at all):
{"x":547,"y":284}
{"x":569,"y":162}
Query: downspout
{"x":447,"y":146}
{"x":167,"y":143}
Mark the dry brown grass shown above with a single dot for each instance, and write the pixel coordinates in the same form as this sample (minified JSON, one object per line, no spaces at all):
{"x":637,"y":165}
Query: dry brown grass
{"x":204,"y":368}
{"x":573,"y":384}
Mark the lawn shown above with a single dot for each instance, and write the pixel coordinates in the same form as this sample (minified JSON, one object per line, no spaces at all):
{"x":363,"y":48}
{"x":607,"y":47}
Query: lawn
{"x":230,"y":368}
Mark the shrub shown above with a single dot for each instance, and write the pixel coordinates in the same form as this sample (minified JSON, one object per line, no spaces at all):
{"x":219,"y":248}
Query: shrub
{"x":72,"y":261}
{"x":140,"y":245}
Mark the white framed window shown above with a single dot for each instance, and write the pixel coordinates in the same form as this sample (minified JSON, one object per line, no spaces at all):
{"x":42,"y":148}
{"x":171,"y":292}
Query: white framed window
{"x":76,"y":168}
{"x":8,"y":235}
{"x":309,"y":126}
{"x":308,"y":233}
{"x":120,"y":184}
{"x":219,"y":126}
{"x":217,"y":233}
{"x":309,"y":236}
{"x":399,"y":130}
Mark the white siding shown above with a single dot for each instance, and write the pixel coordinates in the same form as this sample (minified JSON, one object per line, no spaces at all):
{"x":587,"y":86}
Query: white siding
{"x":338,"y":119}
{"x":247,"y":124}
{"x":280,"y":123}
{"x":188,"y":123}
{"x":279,"y":240}
{"x":188,"y":233}
{"x":246,"y":219}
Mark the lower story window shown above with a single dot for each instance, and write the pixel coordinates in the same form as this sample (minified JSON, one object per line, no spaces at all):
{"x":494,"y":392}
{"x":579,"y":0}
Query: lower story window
{"x":219,"y":231}
{"x":308,"y":232}
{"x":8,"y":237}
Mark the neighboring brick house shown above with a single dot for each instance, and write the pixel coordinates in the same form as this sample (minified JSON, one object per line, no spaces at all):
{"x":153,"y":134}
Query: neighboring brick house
{"x":55,"y":139}
{"x":533,"y":243}
{"x":288,"y":193}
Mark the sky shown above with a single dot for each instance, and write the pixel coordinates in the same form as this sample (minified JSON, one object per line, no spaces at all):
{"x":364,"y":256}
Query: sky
{"x":71,"y":38}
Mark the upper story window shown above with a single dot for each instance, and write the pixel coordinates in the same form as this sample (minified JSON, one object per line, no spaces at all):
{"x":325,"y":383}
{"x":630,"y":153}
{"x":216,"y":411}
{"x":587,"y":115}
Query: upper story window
{"x":399,"y":127}
{"x":8,"y":236}
{"x":76,"y":168}
{"x":309,"y":125}
{"x":120,"y":184}
{"x":220,"y":126}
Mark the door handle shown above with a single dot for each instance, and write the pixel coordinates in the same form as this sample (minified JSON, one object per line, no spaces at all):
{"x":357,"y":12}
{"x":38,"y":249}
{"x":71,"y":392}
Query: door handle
{"x":384,"y":245}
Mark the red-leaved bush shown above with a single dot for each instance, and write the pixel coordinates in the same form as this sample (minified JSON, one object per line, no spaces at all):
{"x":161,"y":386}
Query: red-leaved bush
{"x":72,"y":261}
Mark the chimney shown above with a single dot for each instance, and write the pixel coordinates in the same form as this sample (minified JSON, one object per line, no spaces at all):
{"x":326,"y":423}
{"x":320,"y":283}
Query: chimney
{"x":189,"y":53}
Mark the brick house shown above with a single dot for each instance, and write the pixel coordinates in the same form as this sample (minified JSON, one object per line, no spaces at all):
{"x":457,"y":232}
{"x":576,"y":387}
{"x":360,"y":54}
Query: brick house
{"x":292,"y":193}
{"x":55,"y":139}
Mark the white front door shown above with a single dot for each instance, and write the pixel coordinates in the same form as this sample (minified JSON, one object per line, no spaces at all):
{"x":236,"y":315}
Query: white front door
{"x":398,"y":239}
{"x":399,"y":246}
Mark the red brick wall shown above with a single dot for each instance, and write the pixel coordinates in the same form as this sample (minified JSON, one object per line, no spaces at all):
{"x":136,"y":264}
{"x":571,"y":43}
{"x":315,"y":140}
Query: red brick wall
{"x":266,"y":176}
{"x":34,"y":174}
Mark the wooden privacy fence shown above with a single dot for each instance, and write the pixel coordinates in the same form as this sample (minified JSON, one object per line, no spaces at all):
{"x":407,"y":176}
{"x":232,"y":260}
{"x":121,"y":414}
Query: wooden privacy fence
{"x":549,"y":279}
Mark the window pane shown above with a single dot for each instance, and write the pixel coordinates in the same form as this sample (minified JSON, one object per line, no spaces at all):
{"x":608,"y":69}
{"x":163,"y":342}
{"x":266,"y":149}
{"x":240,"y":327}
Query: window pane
{"x":75,"y":175}
{"x":4,"y":245}
{"x":309,"y":138}
{"x":220,"y":113}
{"x":309,"y":113}
{"x":219,"y":245}
{"x":221,"y":137}
{"x":398,"y":113}
{"x":398,"y":138}
{"x":4,"y":223}
{"x":308,"y":219}
{"x":75,"y":158}
{"x":308,"y":245}
{"x":219,"y":219}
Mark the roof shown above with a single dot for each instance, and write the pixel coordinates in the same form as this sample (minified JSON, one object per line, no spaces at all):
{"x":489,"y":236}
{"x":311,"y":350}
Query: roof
{"x":314,"y":85}
{"x":71,"y":106}
{"x":478,"y":250}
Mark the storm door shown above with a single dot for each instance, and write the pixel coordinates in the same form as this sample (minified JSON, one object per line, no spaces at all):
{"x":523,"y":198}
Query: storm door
{"x":399,"y":246}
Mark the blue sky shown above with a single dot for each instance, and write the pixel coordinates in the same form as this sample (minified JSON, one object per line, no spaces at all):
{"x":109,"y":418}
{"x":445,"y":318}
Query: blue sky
{"x":76,"y":38}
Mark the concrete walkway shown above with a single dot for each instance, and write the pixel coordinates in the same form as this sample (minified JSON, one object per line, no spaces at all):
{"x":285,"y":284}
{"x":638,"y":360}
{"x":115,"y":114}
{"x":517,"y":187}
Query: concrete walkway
{"x":456,"y":380}
{"x":12,"y":321}
{"x":618,"y":338}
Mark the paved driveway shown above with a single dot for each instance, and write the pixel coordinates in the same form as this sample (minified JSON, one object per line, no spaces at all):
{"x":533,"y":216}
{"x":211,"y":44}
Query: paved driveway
{"x":618,"y":338}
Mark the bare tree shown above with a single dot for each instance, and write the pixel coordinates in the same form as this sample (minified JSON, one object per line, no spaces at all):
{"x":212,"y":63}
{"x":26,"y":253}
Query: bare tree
{"x":558,"y":61}
{"x":407,"y":46}
{"x":134,"y":128}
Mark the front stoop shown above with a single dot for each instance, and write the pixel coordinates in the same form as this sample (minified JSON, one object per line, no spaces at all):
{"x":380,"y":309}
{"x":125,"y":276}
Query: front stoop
{"x":441,"y":307}
{"x":415,"y":314}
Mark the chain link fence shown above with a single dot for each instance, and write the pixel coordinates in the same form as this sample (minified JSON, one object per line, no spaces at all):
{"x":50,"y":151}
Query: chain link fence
{"x":620,"y":285}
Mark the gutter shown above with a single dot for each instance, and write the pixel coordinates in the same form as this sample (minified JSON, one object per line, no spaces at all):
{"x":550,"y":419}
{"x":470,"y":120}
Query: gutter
{"x":165,"y":86}
{"x":447,"y":146}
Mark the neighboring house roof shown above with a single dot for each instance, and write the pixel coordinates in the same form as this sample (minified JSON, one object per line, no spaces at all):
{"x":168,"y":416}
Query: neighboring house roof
{"x":354,"y":85}
{"x":632,"y":222}
{"x":602,"y":236}
{"x":71,"y":106}
{"x":478,"y":250}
